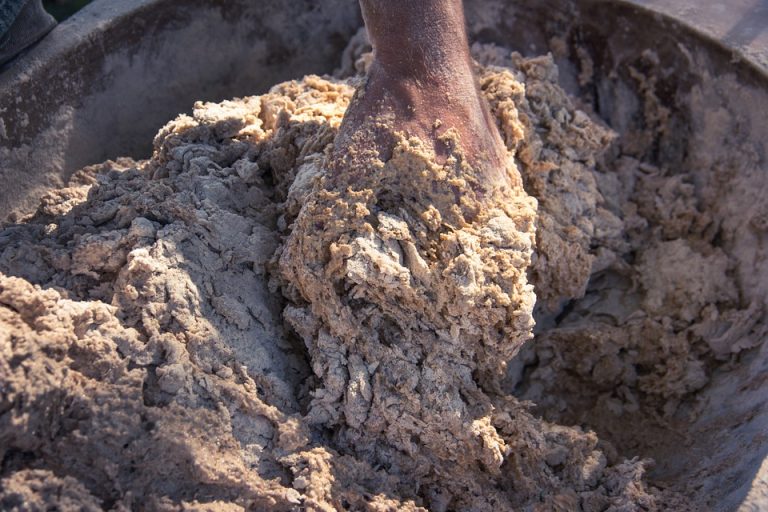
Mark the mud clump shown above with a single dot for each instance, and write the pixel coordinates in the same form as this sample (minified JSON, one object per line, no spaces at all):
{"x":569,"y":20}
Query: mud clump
{"x":220,"y":327}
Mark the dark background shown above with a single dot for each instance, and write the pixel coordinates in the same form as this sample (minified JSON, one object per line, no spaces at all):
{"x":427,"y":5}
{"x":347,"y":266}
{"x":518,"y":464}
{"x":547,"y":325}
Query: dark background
{"x":63,"y":9}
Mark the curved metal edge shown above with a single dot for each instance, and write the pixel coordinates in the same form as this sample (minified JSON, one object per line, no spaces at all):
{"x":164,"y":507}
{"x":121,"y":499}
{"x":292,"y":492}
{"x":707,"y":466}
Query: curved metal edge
{"x":119,"y":70}
{"x":739,"y":25}
{"x":99,"y":14}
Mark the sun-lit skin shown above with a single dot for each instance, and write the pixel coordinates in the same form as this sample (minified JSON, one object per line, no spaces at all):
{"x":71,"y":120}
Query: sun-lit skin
{"x":421,"y":83}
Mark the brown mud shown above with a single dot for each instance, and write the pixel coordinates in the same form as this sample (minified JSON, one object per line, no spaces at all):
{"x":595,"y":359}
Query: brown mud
{"x":224,"y":327}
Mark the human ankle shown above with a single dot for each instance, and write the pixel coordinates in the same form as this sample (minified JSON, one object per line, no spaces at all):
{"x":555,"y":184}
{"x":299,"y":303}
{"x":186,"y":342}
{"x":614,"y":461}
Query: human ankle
{"x":428,"y":40}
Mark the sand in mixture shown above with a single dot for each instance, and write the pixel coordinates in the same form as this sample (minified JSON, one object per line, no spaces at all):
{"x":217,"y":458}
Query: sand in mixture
{"x":224,"y":327}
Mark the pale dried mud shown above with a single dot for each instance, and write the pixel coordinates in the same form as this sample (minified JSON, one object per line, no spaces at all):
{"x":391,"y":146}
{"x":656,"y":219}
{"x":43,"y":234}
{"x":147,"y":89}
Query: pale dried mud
{"x":222,"y":328}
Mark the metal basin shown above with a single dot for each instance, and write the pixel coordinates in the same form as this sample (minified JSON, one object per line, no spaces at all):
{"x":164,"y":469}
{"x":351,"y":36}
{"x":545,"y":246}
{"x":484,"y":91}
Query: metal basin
{"x":102,"y":83}
{"x":105,"y":81}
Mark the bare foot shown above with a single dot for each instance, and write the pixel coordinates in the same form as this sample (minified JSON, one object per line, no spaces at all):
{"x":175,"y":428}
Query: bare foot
{"x":410,"y":276}
{"x":420,"y":84}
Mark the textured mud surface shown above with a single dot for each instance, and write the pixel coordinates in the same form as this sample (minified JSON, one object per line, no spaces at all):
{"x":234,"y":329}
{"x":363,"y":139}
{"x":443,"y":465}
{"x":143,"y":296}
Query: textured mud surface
{"x":222,"y":327}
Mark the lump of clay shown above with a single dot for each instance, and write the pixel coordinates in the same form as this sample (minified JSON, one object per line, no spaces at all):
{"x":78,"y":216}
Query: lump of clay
{"x":142,"y":344}
{"x":411,"y":293}
{"x":414,"y":300}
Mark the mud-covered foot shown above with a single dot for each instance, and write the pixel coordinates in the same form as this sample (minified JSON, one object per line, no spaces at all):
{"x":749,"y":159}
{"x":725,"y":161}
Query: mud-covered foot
{"x":407,"y":265}
{"x":421,"y":84}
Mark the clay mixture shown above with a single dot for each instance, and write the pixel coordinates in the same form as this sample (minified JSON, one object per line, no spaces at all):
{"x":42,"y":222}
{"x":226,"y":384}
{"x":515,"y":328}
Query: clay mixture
{"x":224,"y":327}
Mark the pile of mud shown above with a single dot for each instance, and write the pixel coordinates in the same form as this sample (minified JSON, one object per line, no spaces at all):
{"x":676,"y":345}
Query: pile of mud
{"x":185,"y":332}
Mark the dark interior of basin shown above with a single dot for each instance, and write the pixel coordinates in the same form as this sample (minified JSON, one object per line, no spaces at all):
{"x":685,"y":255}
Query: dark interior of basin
{"x":680,"y":103}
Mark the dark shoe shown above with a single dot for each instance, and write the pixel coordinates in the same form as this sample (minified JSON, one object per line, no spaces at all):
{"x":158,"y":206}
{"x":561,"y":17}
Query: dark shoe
{"x":31,"y":25}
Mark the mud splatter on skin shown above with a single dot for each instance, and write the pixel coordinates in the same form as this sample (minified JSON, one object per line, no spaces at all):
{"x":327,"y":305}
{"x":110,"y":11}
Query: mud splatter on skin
{"x":145,"y":360}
